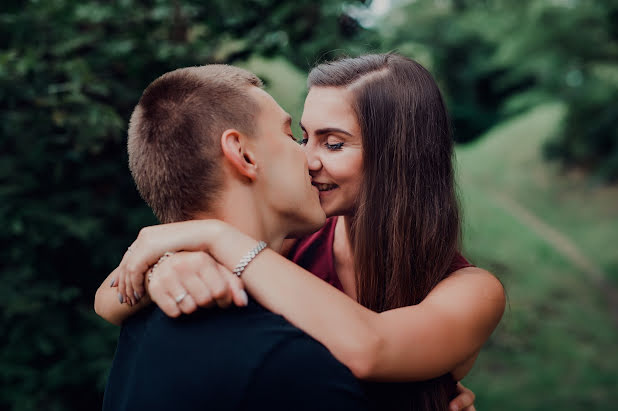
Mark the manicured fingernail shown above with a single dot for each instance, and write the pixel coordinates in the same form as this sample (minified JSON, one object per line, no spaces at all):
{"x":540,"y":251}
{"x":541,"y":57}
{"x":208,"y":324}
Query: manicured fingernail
{"x":120,"y":298}
{"x":244,"y":297}
{"x":113,"y":283}
{"x":137,"y":296}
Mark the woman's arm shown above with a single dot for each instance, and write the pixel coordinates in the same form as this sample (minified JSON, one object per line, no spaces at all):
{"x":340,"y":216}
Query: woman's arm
{"x":112,"y":307}
{"x":411,"y":343}
{"x":449,"y":327}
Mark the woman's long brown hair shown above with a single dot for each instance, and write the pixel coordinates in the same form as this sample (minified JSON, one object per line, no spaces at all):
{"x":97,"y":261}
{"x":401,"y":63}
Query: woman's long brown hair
{"x":405,"y":232}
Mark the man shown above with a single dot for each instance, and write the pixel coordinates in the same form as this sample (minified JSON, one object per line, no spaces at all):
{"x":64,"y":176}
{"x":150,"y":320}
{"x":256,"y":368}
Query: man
{"x":208,"y":142}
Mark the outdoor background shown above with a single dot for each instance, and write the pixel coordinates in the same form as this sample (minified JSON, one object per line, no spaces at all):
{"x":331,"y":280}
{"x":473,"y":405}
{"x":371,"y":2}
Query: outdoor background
{"x":532,"y":87}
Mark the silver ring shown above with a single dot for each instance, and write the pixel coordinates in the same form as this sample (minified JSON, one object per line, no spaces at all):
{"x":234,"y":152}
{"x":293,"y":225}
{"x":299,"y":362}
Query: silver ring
{"x":180,"y":298}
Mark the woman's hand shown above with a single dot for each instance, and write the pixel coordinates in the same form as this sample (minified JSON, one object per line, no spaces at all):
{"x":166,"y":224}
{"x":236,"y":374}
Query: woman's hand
{"x":151,"y":243}
{"x":186,"y":280}
{"x":464,"y":400}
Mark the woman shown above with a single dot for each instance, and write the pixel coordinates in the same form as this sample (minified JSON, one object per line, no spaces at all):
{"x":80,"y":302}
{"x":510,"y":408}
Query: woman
{"x":379,"y":149}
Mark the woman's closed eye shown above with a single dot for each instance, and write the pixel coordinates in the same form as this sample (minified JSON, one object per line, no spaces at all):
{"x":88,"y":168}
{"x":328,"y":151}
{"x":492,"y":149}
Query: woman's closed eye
{"x":329,"y":146}
{"x":333,"y":147}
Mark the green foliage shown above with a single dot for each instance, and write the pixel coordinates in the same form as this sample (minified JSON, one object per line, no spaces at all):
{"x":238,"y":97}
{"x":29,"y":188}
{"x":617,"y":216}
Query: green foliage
{"x":496,"y":58}
{"x":570,"y":50}
{"x":447,"y":38}
{"x":70,"y":75}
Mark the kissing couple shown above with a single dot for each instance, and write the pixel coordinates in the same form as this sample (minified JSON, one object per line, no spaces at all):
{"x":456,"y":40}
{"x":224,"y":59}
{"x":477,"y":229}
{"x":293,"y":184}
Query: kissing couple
{"x":324,"y":275}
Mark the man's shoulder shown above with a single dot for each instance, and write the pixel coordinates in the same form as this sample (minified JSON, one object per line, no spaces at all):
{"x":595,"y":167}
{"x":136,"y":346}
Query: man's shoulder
{"x":225,"y":358}
{"x":215,"y":338}
{"x":194,"y":361}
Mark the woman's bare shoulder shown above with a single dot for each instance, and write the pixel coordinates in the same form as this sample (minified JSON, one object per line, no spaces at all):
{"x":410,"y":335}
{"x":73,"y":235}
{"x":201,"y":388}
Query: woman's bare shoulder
{"x":472,"y":282}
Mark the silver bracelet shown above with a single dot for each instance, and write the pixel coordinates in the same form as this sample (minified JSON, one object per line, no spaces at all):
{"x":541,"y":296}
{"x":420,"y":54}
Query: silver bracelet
{"x":159,"y":261}
{"x":244,"y":262}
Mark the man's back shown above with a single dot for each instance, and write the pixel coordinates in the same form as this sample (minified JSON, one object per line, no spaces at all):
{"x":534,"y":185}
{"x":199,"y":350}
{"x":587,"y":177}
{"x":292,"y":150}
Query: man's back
{"x":236,"y":359}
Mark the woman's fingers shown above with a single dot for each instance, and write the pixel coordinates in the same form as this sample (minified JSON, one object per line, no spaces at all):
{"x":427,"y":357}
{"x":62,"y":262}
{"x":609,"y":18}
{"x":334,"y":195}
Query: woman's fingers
{"x":197,"y":289}
{"x":167,"y":304}
{"x":135,"y":268}
{"x":235,"y":285}
{"x":164,"y":292}
{"x":122,"y":282}
{"x":191,"y":279}
{"x":141,"y":255}
{"x":239,"y":295}
{"x":137,"y":284}
{"x":138,"y":258}
{"x":153,"y":242}
{"x":128,"y":292}
{"x":464,"y":400}
{"x":217,"y":284}
{"x":187,"y":305}
{"x":222,"y":293}
{"x":186,"y":279}
{"x":121,"y":287}
{"x":210,"y":274}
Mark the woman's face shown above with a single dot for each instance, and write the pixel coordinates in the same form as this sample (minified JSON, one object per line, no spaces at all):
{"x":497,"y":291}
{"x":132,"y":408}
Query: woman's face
{"x":332,"y":143}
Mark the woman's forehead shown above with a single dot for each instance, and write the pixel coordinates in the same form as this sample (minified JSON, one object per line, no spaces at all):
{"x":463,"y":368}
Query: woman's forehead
{"x":329,"y":107}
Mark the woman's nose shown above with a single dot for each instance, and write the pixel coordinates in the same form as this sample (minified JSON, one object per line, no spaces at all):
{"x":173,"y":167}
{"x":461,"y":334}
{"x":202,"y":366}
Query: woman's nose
{"x":313,"y":161}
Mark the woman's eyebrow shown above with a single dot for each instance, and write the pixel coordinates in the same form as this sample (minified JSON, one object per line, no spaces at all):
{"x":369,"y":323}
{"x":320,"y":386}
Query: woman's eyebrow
{"x":327,"y":130}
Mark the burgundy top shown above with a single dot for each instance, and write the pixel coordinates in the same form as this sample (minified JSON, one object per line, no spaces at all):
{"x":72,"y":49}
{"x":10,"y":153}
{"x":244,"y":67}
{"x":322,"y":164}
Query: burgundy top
{"x":315,"y":254}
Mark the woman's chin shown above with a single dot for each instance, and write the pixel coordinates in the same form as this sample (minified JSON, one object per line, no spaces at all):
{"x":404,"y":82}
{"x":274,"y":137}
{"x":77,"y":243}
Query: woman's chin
{"x":329,"y":209}
{"x":333,"y":208}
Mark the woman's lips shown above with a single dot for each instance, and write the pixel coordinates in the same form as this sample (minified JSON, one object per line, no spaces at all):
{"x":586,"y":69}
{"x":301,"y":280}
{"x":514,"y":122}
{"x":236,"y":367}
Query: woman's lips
{"x":324,"y":187}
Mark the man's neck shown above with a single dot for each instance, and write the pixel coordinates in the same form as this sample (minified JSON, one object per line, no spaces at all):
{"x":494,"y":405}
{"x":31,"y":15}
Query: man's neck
{"x":241,"y":209}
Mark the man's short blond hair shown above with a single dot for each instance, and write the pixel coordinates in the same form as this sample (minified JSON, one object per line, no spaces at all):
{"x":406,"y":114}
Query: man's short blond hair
{"x":173,"y":138}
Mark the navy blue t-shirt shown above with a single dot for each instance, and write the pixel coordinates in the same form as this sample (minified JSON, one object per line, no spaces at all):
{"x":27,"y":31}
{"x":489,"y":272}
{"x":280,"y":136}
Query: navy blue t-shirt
{"x":236,"y":359}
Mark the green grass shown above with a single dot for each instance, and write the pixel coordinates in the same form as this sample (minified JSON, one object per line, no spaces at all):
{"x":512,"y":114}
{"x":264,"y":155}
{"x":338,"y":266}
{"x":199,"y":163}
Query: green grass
{"x":508,"y":160}
{"x":556,"y":345}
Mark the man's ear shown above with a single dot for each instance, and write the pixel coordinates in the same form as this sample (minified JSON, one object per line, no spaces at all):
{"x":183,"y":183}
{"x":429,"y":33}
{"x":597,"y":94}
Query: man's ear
{"x":238,"y":152}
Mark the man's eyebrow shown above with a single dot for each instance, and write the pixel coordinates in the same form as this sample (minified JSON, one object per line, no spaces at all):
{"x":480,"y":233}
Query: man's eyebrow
{"x":327,"y":130}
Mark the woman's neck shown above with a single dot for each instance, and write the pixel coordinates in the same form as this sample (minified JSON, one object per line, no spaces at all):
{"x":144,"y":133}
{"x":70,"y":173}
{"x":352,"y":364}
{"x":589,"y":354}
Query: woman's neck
{"x":344,"y":255}
{"x":344,"y":226}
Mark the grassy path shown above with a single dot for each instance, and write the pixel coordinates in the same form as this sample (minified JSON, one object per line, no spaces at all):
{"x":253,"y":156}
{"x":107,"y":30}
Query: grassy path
{"x":565,"y":247}
{"x":548,"y":237}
